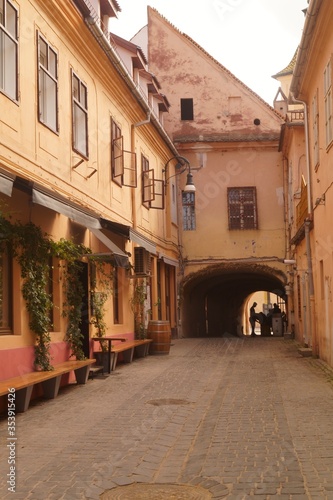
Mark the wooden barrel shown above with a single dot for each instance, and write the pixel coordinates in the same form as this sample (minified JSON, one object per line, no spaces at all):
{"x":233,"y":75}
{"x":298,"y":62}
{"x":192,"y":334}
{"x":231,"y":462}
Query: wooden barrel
{"x":160,"y":332}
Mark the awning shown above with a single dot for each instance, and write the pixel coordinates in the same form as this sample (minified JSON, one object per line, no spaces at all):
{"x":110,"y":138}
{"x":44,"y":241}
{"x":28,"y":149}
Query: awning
{"x":6,"y":182}
{"x":80,"y":215}
{"x":169,"y":261}
{"x":120,"y":258}
{"x":58,"y":203}
{"x":130,"y":234}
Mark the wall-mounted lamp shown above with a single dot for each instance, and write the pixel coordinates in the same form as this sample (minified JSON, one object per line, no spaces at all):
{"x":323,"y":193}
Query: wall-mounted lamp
{"x":182,"y":165}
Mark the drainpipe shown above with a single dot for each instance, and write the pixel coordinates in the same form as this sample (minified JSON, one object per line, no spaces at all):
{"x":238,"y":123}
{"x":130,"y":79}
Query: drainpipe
{"x":307,"y":223}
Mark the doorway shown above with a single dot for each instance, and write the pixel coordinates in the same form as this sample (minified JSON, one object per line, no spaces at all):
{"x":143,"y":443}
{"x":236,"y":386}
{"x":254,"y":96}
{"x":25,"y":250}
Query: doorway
{"x":84,"y":325}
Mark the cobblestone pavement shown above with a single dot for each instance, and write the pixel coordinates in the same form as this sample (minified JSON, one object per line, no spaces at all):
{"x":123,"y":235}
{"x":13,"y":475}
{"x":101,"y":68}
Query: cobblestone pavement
{"x":230,"y":418}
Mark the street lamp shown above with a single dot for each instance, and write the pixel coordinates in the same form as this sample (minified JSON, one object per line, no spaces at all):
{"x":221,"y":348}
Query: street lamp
{"x":183,"y":165}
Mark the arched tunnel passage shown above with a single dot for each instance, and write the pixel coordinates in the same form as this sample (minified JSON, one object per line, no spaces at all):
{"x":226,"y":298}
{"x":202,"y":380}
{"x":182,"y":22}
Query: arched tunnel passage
{"x":214,"y":298}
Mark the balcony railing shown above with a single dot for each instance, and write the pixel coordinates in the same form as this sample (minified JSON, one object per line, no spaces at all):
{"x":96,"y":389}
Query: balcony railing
{"x":296,"y":116}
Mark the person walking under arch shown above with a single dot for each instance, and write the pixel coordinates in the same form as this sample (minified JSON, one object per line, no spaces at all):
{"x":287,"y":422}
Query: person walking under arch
{"x":254,"y":317}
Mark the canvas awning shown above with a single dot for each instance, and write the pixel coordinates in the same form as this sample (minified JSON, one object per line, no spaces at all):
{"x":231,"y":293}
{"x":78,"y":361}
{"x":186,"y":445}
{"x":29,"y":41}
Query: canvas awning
{"x":6,"y":182}
{"x":84,"y":217}
{"x":131,"y":234}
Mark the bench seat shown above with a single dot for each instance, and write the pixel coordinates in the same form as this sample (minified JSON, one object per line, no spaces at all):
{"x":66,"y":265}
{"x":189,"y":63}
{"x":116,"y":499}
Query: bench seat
{"x":139,"y":348}
{"x":50,"y":380}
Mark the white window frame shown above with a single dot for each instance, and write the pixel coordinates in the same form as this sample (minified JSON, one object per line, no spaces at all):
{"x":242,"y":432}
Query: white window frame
{"x":80,"y":115}
{"x":47,"y":84}
{"x":8,"y":49}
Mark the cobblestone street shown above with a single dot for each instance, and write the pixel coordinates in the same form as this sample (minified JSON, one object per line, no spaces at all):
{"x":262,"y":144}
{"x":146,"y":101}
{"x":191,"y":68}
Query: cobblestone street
{"x":217,"y":418}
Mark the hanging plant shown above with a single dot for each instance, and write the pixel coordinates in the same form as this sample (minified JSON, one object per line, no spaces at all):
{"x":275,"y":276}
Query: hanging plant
{"x":100,"y":292}
{"x":32,"y":249}
{"x":137,"y":303}
{"x":71,"y":254}
{"x":97,"y":320}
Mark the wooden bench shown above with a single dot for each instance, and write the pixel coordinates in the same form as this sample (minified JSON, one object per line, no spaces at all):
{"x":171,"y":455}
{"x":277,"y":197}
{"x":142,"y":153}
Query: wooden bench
{"x":129,"y":348}
{"x":50,"y":381}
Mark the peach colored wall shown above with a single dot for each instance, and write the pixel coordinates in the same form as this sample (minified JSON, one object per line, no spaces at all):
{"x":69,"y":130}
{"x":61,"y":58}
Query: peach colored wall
{"x":317,"y":42}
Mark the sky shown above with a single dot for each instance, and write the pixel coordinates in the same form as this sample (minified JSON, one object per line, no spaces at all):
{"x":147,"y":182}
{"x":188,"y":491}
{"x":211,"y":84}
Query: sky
{"x":254,"y":39}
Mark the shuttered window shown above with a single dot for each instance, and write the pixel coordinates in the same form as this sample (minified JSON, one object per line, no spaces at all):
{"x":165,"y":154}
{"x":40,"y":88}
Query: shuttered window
{"x":242,"y":208}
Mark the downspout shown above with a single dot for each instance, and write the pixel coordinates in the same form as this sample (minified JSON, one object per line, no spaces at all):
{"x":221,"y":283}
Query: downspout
{"x":290,"y":285}
{"x":311,"y":296}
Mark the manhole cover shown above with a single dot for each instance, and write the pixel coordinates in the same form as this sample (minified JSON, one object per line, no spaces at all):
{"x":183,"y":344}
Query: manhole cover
{"x":168,"y":401}
{"x":156,"y":492}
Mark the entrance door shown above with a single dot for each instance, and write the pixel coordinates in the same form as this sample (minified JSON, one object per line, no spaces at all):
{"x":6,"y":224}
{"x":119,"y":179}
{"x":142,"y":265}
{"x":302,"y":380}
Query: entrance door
{"x":84,"y":326}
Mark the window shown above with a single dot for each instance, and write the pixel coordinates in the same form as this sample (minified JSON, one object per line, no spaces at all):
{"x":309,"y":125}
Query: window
{"x":153,"y":190}
{"x":188,"y":200}
{"x":242,"y":208}
{"x":5,"y":292}
{"x":123,"y":163}
{"x":47,"y":85}
{"x":315,"y":129}
{"x":117,"y":296}
{"x":116,"y":153}
{"x":147,"y":182}
{"x":8,"y":49}
{"x":80,"y":116}
{"x":328,"y":102}
{"x":186,"y":109}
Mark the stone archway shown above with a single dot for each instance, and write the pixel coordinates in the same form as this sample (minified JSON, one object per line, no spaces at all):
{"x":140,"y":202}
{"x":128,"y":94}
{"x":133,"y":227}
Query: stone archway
{"x":213,"y":298}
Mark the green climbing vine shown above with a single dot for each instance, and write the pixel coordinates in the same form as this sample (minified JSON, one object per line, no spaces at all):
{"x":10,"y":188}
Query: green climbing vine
{"x":32,"y":249}
{"x":101,"y":288}
{"x":71,"y":255}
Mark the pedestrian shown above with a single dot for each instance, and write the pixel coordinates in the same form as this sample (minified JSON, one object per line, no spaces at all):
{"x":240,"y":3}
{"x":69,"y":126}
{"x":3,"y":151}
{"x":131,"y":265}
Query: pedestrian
{"x":253,"y":317}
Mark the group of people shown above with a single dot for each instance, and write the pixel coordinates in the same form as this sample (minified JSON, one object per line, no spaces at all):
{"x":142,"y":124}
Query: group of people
{"x":260,"y":317}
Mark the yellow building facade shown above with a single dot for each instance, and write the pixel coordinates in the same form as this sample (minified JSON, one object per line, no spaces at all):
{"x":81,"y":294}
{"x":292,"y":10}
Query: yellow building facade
{"x":82,"y":155}
{"x":307,"y":145}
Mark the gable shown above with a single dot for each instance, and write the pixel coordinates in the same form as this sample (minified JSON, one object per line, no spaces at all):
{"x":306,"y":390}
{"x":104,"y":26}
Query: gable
{"x":223,"y":107}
